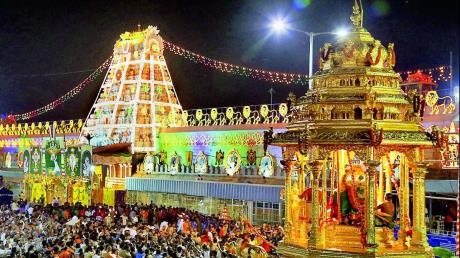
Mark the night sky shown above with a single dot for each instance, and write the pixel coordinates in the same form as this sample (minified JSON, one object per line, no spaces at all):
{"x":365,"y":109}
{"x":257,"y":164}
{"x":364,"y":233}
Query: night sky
{"x":64,"y":36}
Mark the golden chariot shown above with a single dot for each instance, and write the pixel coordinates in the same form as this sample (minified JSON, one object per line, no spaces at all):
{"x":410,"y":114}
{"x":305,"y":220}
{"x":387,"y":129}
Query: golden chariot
{"x":355,"y":139}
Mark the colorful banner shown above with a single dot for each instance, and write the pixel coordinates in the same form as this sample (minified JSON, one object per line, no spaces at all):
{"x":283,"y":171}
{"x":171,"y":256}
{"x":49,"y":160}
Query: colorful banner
{"x":35,"y":161}
{"x":86,"y":163}
{"x":53,"y":157}
{"x":72,"y":161}
{"x":26,"y":161}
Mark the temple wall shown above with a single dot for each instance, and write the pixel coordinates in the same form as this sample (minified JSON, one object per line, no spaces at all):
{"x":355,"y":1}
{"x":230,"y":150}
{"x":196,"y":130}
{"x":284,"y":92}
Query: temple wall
{"x":212,"y":141}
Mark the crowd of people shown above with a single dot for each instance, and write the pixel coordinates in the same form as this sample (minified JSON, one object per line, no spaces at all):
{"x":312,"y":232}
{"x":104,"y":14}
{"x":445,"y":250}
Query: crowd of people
{"x":54,"y":230}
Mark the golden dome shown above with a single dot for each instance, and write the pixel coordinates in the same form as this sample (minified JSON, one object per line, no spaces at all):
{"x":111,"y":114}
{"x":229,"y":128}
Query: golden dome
{"x":357,"y":49}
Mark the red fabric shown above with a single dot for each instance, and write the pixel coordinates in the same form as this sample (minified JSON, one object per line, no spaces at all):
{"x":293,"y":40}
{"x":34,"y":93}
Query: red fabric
{"x":204,"y":239}
{"x":266,"y":246}
{"x":308,"y":195}
{"x":68,"y":253}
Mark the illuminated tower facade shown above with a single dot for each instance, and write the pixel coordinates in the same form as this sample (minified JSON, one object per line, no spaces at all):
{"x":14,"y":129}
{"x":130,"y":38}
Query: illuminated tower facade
{"x":137,"y":96}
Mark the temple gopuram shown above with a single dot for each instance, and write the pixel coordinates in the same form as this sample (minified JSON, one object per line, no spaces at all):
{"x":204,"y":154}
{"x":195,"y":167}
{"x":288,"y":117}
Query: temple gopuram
{"x":354,"y":138}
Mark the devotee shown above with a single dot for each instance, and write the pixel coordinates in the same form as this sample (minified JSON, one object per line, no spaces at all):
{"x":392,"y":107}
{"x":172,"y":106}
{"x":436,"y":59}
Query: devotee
{"x":36,"y":230}
{"x":385,"y":212}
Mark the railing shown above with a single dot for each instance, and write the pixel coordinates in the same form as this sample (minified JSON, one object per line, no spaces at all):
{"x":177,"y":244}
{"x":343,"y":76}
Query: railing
{"x":246,"y":171}
{"x":439,"y":228}
{"x":61,"y":127}
{"x":260,"y":114}
{"x":240,"y":115}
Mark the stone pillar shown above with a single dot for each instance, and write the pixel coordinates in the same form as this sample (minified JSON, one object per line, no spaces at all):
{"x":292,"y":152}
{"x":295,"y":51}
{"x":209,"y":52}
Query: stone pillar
{"x":370,"y":203}
{"x":419,"y":225}
{"x":315,"y":240}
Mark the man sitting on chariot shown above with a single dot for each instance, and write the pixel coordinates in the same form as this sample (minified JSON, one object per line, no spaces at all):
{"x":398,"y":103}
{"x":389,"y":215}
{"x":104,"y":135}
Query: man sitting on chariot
{"x":384,"y":212}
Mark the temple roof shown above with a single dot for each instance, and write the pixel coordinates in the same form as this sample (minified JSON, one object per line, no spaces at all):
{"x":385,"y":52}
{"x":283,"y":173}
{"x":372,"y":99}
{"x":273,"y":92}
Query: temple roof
{"x":356,"y":98}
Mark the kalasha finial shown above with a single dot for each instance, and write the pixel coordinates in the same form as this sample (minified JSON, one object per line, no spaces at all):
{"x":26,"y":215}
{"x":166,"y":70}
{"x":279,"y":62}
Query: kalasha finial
{"x":139,"y":26}
{"x":356,"y":17}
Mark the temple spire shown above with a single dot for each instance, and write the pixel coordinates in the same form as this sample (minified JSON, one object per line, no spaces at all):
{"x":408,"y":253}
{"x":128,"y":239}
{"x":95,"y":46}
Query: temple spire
{"x":357,"y":16}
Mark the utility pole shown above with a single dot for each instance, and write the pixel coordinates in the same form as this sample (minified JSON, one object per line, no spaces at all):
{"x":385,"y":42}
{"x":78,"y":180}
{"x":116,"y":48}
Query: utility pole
{"x":451,"y":67}
{"x":271,"y":91}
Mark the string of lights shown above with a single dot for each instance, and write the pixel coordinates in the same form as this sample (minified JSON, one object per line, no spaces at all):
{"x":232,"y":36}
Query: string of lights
{"x":47,"y":74}
{"x":67,"y":96}
{"x":258,"y":74}
{"x":438,"y":74}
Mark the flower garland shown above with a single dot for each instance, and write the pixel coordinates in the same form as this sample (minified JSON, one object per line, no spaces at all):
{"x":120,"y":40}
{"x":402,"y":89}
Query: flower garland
{"x":64,"y":98}
{"x":263,"y":75}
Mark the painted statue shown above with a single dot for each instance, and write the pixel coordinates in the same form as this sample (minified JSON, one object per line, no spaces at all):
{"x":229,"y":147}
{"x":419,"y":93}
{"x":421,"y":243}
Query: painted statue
{"x":149,"y":162}
{"x":201,"y":164}
{"x":267,"y":166}
{"x":174,"y":163}
{"x":325,"y":60}
{"x":251,"y":157}
{"x":219,"y":158}
{"x":352,"y":199}
{"x":233,"y":162}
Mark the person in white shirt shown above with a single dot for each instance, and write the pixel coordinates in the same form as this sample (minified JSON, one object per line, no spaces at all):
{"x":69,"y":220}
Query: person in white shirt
{"x":14,"y":207}
{"x":180,"y":225}
{"x":163,"y":225}
{"x":123,"y":219}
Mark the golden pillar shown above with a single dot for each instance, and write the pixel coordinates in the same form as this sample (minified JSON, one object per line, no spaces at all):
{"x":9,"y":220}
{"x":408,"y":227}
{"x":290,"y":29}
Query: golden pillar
{"x":404,"y":195}
{"x":315,"y":240}
{"x":387,"y":170}
{"x":288,"y":198}
{"x":418,"y":216}
{"x":324,"y":193}
{"x":302,"y":223}
{"x":381,"y":185}
{"x":370,"y":202}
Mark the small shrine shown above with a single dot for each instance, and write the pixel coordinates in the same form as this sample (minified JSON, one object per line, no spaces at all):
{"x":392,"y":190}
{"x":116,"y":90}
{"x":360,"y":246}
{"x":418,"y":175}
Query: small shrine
{"x":224,"y":215}
{"x":353,"y":148}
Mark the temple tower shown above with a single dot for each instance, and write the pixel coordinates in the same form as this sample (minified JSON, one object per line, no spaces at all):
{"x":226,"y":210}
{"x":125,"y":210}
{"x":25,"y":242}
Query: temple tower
{"x":137,"y":96}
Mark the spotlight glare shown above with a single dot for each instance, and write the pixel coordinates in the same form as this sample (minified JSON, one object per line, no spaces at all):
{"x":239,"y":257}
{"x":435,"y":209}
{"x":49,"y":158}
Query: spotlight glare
{"x":279,"y":25}
{"x":342,"y":33}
